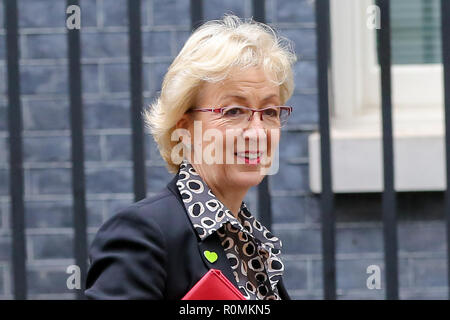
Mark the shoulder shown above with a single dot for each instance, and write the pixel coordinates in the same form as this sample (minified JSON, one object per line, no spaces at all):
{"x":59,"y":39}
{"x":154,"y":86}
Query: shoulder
{"x":141,"y":237}
{"x":162,"y":214}
{"x":125,"y":247}
{"x":155,"y":208}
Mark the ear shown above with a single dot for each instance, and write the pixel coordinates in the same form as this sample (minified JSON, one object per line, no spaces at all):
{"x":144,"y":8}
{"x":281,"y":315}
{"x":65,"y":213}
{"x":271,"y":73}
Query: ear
{"x":184,"y":122}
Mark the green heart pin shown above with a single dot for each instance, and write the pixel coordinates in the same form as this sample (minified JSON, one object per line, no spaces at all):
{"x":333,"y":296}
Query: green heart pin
{"x":210,"y":255}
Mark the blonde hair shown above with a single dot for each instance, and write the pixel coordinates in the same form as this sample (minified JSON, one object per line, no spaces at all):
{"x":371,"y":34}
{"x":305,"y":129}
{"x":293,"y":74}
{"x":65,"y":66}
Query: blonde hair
{"x":209,"y":55}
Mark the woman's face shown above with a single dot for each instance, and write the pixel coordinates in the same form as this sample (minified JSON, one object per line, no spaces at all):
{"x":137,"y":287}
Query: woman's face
{"x":246,"y":149}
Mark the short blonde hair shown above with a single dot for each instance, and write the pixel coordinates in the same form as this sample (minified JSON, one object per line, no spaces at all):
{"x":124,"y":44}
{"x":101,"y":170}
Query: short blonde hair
{"x":209,"y":55}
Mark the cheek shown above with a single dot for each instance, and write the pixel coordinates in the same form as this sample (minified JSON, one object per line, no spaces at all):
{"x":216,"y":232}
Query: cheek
{"x":273,"y":140}
{"x":273,"y":143}
{"x":274,"y":137}
{"x":214,"y":135}
{"x":215,"y":124}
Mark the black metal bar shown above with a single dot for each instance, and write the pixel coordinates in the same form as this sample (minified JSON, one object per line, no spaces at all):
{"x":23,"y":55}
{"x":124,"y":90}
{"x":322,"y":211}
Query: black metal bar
{"x":389,"y":196}
{"x":259,"y":10}
{"x":264,"y":200}
{"x":445,"y":31}
{"x":77,"y":152}
{"x":264,"y":204}
{"x":16,"y":183}
{"x":138,"y":139}
{"x":328,"y":219}
{"x":196,"y":13}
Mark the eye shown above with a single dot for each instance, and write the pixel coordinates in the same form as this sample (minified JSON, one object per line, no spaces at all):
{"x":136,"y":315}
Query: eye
{"x":271,"y":112}
{"x":233,"y":111}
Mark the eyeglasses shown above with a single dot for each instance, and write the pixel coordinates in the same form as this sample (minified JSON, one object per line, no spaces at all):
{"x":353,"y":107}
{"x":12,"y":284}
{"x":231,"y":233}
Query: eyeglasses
{"x":272,"y":117}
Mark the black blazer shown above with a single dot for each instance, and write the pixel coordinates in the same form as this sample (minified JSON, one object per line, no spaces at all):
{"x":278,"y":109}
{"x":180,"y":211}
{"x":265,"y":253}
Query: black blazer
{"x":150,"y":250}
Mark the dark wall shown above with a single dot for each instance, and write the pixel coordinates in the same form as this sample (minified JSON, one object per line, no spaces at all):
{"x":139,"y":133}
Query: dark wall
{"x":166,"y":26}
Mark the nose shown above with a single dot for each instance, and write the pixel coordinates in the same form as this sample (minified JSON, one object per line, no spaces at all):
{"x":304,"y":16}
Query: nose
{"x":255,"y":130}
{"x":256,"y":121}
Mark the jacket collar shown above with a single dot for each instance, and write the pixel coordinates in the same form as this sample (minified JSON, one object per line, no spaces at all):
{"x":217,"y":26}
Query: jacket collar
{"x":211,"y":244}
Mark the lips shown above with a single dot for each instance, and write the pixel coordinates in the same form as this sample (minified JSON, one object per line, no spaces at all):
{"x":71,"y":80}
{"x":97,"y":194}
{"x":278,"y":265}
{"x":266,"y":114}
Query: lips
{"x":250,"y":157}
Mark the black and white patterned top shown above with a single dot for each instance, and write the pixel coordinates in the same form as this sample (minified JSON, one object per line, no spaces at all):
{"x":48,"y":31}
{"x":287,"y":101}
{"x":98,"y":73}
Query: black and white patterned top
{"x":253,"y":252}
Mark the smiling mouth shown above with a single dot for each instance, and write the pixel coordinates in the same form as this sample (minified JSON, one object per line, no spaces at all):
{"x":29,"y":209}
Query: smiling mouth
{"x":250,"y":157}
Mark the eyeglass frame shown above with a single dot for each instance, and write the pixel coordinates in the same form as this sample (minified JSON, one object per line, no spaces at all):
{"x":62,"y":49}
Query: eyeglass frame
{"x":220,"y":110}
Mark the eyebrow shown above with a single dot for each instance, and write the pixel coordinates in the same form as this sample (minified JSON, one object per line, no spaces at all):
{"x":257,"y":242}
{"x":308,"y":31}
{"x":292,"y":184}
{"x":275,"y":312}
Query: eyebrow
{"x":244,"y":98}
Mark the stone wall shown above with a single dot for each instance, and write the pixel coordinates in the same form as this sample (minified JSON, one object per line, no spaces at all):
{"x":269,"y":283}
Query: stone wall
{"x":165,"y":27}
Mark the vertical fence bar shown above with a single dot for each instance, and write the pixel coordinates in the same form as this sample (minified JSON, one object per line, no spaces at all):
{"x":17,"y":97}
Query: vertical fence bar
{"x":389,"y":196}
{"x":196,"y":13}
{"x":138,"y":138}
{"x":328,"y":219}
{"x":259,"y":10}
{"x":16,"y":183}
{"x":77,"y":151}
{"x":445,"y":32}
{"x":264,"y":200}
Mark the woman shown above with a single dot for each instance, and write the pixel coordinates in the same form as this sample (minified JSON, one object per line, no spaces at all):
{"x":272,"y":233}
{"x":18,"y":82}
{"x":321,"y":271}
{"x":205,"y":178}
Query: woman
{"x":217,"y":125}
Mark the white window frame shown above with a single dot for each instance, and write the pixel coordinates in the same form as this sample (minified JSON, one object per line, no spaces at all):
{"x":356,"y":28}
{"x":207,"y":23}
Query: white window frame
{"x":417,"y":97}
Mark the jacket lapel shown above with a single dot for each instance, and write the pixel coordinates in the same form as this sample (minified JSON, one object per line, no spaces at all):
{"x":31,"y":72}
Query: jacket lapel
{"x":282,"y":290}
{"x":212,"y":244}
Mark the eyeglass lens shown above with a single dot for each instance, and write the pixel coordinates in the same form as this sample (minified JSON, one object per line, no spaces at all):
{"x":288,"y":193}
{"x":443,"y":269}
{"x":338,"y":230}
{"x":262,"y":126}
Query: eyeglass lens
{"x":274,"y":117}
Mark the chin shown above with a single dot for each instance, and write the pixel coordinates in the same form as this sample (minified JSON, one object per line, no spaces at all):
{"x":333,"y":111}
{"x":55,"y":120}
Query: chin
{"x":245,"y":178}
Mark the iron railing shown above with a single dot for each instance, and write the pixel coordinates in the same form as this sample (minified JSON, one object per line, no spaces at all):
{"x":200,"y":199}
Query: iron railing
{"x":328,"y":220}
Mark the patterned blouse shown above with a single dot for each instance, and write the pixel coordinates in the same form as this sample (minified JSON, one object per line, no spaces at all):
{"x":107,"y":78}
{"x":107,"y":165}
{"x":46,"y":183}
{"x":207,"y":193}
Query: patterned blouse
{"x":253,"y":252}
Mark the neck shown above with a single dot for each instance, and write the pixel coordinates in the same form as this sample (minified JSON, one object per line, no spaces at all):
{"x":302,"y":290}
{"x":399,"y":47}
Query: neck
{"x":230,"y":196}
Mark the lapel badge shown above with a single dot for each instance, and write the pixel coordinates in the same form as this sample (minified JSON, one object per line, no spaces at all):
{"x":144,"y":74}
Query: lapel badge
{"x":211,"y":256}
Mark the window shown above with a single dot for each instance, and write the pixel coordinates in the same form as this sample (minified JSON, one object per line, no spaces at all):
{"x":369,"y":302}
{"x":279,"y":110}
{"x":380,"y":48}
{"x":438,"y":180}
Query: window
{"x":417,"y":96}
{"x":416,"y":34}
